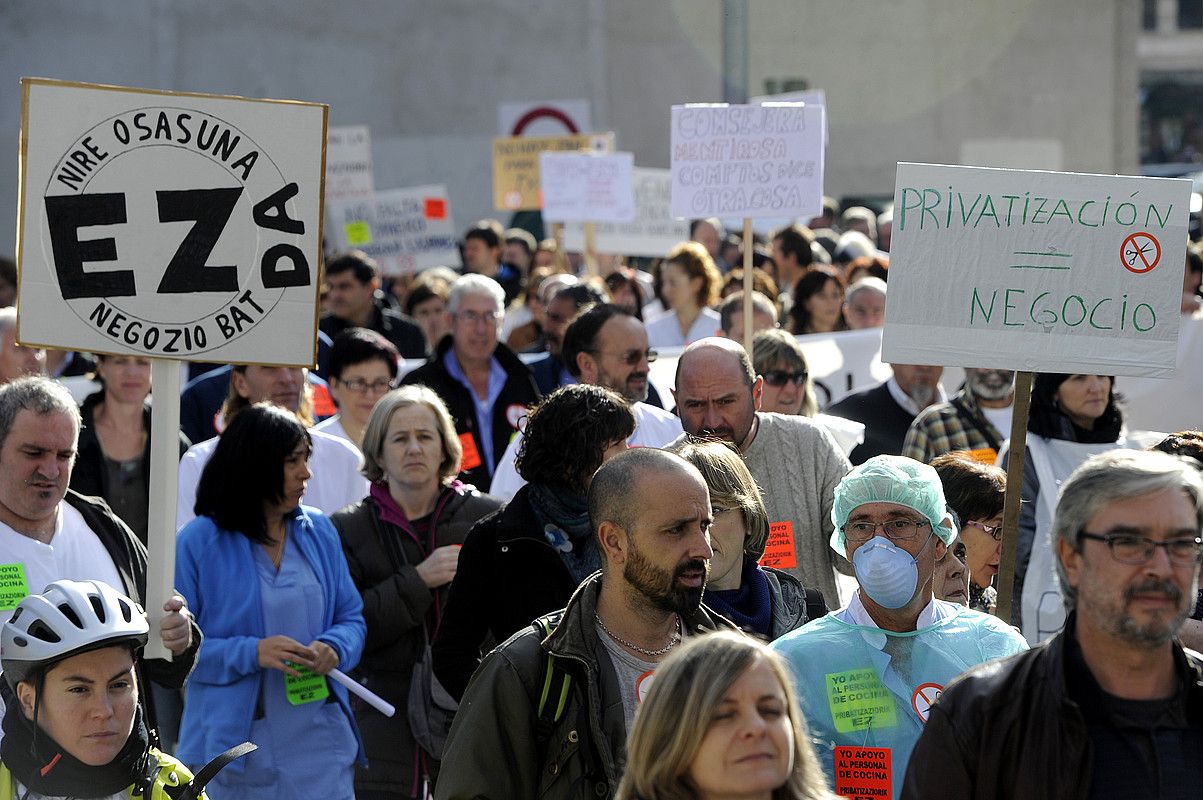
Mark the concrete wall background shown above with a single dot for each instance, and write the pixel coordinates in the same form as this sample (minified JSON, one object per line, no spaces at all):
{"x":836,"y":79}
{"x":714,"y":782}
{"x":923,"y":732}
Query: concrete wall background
{"x":905,"y":79}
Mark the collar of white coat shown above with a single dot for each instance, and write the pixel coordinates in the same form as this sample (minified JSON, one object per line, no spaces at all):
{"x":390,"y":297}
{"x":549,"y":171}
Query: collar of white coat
{"x":855,"y":613}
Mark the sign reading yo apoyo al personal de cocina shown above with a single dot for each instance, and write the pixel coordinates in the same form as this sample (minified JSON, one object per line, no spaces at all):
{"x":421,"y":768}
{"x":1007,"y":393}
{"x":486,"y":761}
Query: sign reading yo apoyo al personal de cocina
{"x":172,"y":225}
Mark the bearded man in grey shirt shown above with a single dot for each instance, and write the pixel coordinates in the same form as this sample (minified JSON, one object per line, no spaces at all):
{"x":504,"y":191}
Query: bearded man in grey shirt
{"x":795,"y":462}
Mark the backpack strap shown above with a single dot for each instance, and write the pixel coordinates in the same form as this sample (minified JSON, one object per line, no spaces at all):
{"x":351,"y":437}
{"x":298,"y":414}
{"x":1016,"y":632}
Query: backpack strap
{"x":555,"y":682}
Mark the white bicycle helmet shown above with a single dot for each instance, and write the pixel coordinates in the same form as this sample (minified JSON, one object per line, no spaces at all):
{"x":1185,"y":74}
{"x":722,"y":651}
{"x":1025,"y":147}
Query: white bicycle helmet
{"x":66,"y":619}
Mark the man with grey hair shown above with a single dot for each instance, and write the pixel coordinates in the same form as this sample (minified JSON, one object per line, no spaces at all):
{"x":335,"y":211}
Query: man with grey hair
{"x":17,"y":360}
{"x":1113,"y":705}
{"x":796,"y":463}
{"x":865,"y":304}
{"x":485,"y":385}
{"x":530,"y":728}
{"x":49,"y":532}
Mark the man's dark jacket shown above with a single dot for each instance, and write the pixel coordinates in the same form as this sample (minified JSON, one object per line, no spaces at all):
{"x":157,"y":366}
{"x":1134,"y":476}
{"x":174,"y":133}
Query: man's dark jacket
{"x":885,"y":422}
{"x":1009,"y":729}
{"x":519,"y":391}
{"x":399,"y":329}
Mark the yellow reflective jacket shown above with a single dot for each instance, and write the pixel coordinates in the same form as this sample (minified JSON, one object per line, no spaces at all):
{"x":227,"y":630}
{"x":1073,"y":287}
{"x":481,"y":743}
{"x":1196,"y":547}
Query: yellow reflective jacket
{"x":171,"y":774}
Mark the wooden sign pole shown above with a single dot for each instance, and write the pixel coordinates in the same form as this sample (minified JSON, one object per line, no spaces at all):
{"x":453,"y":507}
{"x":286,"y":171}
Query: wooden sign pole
{"x":591,"y":266}
{"x":748,"y":284}
{"x":1016,"y":450}
{"x":164,"y":488}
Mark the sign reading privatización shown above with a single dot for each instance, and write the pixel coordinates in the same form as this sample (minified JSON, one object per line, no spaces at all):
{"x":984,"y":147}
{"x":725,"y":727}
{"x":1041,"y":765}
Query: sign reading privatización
{"x":1036,"y":271}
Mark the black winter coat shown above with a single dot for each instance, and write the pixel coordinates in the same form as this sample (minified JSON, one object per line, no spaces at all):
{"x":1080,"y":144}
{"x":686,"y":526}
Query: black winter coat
{"x":383,"y":559}
{"x":508,"y":576}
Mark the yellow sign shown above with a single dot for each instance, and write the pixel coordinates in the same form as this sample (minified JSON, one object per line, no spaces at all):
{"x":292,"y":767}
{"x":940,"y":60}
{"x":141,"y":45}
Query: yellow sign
{"x":859,"y":702}
{"x":516,"y":165}
{"x":358,"y":233}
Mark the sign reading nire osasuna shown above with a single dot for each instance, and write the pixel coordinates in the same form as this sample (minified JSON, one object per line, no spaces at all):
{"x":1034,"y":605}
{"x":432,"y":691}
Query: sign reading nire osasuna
{"x":1036,"y":271}
{"x":171,"y":225}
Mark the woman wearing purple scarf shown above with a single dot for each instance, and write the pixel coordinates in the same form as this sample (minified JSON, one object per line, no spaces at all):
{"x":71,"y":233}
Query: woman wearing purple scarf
{"x":402,"y":546}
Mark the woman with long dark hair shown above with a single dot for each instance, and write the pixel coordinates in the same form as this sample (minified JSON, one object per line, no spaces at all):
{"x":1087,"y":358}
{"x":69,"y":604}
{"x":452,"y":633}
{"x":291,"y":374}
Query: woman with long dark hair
{"x":268,"y":583}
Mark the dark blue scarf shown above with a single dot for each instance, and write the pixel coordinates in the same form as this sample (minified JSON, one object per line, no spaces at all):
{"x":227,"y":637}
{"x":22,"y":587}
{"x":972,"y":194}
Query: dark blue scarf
{"x":751,"y":605}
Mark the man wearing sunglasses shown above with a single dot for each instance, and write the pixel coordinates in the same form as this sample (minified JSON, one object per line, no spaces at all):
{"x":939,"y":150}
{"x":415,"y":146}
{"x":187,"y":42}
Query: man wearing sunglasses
{"x":604,"y":346}
{"x":1112,"y":706}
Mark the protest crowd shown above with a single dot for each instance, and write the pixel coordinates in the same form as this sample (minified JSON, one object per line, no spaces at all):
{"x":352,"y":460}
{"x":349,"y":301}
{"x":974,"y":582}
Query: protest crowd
{"x":571,"y":580}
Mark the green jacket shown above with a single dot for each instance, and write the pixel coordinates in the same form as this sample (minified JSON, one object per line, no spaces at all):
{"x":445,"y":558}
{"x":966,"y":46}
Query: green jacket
{"x":171,"y":774}
{"x":493,"y":749}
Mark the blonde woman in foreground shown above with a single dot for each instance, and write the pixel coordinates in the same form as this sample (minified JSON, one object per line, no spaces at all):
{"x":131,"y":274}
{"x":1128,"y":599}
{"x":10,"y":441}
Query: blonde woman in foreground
{"x":721,"y":721}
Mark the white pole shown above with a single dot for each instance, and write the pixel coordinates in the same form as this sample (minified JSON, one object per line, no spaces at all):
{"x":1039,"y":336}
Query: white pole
{"x":164,"y":488}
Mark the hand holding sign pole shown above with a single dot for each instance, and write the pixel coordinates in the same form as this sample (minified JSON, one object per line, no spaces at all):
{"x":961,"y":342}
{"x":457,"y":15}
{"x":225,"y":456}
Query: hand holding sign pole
{"x":172,"y":226}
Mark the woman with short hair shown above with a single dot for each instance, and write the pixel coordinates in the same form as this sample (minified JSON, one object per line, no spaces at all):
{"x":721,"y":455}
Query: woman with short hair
{"x":721,"y":720}
{"x":761,"y":600}
{"x":402,"y":546}
{"x":268,"y":583}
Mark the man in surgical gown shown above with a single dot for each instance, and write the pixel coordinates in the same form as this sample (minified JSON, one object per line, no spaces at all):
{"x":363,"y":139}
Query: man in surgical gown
{"x":868,"y":673}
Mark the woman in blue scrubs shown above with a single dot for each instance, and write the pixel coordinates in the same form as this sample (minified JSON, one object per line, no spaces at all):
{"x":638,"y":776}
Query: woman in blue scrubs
{"x":269,"y":585}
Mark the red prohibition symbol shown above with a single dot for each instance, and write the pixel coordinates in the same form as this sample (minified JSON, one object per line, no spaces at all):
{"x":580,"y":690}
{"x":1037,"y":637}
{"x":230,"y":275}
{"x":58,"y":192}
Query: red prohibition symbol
{"x":1140,"y":252}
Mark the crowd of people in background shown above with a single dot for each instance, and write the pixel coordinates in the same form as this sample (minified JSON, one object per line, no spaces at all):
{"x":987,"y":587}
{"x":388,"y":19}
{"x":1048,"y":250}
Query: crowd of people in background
{"x":479,"y":506}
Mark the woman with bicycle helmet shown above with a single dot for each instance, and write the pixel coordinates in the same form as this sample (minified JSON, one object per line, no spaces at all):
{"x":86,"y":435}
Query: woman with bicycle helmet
{"x":72,"y":723}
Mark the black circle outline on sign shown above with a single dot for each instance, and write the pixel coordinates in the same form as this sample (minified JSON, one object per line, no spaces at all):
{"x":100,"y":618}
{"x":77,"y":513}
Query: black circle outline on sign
{"x":263,"y":152}
{"x":1131,"y":238}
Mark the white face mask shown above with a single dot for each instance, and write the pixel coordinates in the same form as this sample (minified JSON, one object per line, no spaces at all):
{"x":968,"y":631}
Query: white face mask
{"x":887,"y":573}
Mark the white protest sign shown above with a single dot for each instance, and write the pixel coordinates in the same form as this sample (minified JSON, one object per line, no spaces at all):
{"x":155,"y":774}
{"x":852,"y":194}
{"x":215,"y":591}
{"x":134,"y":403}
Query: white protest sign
{"x":404,"y":230}
{"x":171,"y":225}
{"x":653,"y":232}
{"x":1036,"y":271}
{"x":587,"y":187}
{"x":747,"y":161}
{"x":811,"y":97}
{"x":348,"y":162}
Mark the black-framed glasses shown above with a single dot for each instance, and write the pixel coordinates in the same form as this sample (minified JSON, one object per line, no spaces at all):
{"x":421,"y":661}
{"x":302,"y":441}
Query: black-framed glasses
{"x":1128,"y":548}
{"x":630,"y":357}
{"x":779,"y":377}
{"x":359,"y":385}
{"x":995,"y":531}
{"x":896,"y":530}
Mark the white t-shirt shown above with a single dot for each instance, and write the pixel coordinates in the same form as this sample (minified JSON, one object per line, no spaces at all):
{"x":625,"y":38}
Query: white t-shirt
{"x":334,"y":427}
{"x":75,"y":553}
{"x":1000,"y":418}
{"x":335,"y":464}
{"x":654,"y":427}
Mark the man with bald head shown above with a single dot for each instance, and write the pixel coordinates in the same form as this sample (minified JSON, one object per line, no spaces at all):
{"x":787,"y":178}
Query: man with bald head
{"x":795,"y":462}
{"x":618,"y":625}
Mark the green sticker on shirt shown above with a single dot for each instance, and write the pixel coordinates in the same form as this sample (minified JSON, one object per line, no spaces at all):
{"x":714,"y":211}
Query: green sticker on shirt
{"x":14,"y":587}
{"x":859,"y":702}
{"x":308,"y":688}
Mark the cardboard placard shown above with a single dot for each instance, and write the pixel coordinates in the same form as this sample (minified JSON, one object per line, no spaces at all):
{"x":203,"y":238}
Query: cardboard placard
{"x":812,"y":97}
{"x":654,"y":230}
{"x":170,"y":225}
{"x":516,"y":165}
{"x":779,"y":550}
{"x":747,"y":160}
{"x":1036,"y":271}
{"x":404,"y":230}
{"x":587,"y":187}
{"x":864,"y":773}
{"x":348,"y":163}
